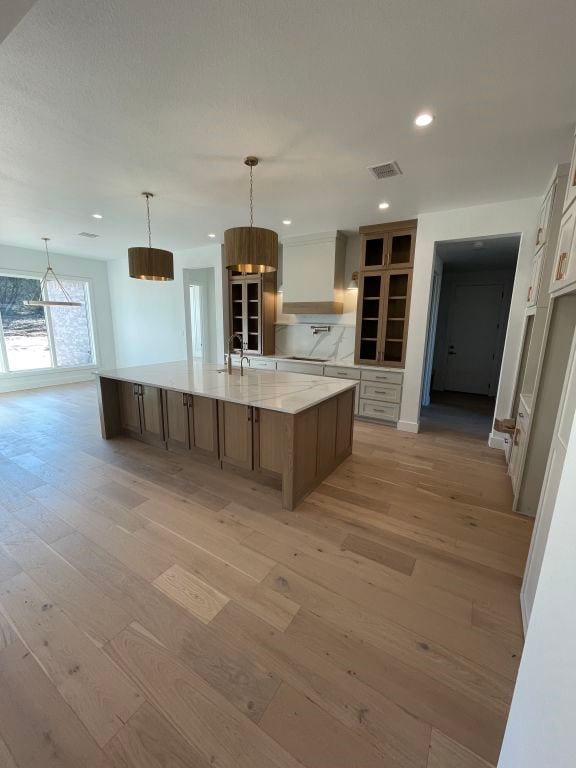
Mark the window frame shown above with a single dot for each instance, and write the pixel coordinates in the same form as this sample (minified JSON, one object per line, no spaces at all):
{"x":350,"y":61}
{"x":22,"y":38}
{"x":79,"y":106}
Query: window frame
{"x":6,"y":373}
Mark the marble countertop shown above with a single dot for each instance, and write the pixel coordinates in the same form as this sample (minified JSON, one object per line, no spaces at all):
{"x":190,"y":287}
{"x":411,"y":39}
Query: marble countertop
{"x":274,"y":390}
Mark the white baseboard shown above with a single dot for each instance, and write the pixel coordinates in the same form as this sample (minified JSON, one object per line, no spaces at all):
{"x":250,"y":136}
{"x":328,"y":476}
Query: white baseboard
{"x":408,"y":426}
{"x":48,"y":379}
{"x":496,"y":441}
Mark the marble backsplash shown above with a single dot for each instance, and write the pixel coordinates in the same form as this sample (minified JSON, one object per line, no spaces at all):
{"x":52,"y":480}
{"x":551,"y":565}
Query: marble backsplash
{"x":298,"y":339}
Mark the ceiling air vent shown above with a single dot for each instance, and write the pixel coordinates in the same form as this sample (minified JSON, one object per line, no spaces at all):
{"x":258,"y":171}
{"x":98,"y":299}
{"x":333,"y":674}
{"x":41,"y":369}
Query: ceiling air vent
{"x":385,"y":170}
{"x":87,"y":234}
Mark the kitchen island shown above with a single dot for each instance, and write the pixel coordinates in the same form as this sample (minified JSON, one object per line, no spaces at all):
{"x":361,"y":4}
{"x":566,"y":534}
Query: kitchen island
{"x":290,"y":428}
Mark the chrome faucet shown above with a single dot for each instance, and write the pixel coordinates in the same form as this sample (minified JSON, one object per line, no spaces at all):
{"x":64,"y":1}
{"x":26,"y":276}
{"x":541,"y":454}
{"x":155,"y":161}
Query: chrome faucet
{"x":244,"y":357}
{"x":231,"y":349}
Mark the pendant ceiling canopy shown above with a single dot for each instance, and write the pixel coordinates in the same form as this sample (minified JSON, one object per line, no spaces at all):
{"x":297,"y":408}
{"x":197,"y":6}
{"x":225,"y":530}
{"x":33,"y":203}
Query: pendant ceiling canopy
{"x":150,"y":263}
{"x":50,"y":275}
{"x":251,"y":249}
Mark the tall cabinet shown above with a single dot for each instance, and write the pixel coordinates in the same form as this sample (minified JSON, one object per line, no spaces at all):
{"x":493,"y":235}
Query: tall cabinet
{"x":385,"y":285}
{"x":252,"y":312}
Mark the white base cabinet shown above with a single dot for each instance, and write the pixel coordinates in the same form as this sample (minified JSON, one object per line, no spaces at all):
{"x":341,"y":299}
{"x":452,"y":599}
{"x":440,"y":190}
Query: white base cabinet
{"x":378,"y":392}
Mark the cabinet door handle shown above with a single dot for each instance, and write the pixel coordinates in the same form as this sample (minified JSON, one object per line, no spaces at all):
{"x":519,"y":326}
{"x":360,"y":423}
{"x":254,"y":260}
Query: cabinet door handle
{"x":135,"y":390}
{"x":256,"y":415}
{"x":249,"y":413}
{"x":529,"y":294}
{"x":540,"y":230}
{"x":184,"y":399}
{"x":561,"y":265}
{"x":516,"y":436}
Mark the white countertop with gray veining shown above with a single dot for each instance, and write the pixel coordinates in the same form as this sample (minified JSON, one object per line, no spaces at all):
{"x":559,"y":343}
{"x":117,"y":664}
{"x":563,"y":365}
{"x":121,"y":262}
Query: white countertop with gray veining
{"x":275,"y":390}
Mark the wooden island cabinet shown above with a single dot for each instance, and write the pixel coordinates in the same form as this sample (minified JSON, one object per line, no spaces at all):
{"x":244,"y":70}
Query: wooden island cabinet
{"x":300,"y":434}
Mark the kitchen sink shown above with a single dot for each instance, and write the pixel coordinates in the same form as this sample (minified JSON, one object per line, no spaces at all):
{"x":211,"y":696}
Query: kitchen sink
{"x":308,"y":359}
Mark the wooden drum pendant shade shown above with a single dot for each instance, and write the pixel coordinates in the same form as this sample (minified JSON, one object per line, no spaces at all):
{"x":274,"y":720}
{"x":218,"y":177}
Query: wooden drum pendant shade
{"x":150,"y":264}
{"x":147,"y":263}
{"x":251,"y":249}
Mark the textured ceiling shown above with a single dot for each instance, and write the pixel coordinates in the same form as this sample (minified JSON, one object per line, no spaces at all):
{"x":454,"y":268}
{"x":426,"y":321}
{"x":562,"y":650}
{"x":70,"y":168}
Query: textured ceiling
{"x":101,"y":100}
{"x":488,"y":253}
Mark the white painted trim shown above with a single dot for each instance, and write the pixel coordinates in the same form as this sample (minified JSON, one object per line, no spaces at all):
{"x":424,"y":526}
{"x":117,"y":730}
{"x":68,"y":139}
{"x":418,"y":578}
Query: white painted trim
{"x":408,"y":426}
{"x":495,"y":441}
{"x":524,"y":612}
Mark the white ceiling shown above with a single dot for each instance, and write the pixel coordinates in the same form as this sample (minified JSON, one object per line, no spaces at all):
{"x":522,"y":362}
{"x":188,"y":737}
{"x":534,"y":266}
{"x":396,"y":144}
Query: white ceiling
{"x":487,"y":253}
{"x":101,"y":100}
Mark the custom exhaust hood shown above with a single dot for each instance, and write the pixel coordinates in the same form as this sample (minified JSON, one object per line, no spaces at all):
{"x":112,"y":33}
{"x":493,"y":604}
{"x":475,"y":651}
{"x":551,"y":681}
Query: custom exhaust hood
{"x":313,"y":274}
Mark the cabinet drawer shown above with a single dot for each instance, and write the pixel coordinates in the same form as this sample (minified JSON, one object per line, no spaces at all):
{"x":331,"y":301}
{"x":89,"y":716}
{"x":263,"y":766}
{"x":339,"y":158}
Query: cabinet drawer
{"x":310,"y":368}
{"x":381,"y":411}
{"x":341,"y":373}
{"x":389,"y":393}
{"x":266,"y":365}
{"x":390,"y":377}
{"x":564,"y":271}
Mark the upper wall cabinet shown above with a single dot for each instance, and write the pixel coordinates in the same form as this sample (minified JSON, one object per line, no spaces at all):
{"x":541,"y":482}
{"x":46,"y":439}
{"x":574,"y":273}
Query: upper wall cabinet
{"x":563,"y":278}
{"x":252,"y":312}
{"x":564,"y":271}
{"x":388,"y":246}
{"x":544,"y":218}
{"x":571,"y":188}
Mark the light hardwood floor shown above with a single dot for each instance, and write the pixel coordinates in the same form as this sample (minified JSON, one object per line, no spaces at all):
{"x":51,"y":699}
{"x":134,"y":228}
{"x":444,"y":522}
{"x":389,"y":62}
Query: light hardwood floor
{"x":158,"y":612}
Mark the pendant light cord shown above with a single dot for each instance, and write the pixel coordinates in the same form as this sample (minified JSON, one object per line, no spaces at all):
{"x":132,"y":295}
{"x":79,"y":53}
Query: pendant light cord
{"x":47,"y":253}
{"x":147,"y":196}
{"x":251,"y":198}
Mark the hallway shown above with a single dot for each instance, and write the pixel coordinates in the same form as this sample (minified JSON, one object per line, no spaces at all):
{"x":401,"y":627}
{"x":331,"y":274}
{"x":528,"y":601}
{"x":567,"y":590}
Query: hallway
{"x":154,"y":610}
{"x":458,"y":412}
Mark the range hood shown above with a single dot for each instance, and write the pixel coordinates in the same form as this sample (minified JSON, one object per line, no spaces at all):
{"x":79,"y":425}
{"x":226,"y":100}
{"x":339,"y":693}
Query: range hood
{"x":313,"y":274}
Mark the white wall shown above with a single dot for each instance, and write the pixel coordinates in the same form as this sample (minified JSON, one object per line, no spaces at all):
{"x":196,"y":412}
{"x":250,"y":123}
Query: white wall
{"x":541,"y":728}
{"x":26,"y":262}
{"x":150,"y":318}
{"x":512,"y":217}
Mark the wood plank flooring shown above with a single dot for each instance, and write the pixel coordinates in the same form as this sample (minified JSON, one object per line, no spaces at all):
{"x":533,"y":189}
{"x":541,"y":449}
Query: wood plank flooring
{"x":156,"y":612}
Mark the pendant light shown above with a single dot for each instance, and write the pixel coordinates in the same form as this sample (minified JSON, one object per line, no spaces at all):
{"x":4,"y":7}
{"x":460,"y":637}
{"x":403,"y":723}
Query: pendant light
{"x":150,"y":263}
{"x":67,"y":301}
{"x":251,"y":249}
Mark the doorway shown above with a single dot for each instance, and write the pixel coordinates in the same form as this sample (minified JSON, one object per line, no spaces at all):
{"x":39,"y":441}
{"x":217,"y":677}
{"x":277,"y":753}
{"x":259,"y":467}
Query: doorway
{"x":199,"y":301}
{"x":470,"y":303}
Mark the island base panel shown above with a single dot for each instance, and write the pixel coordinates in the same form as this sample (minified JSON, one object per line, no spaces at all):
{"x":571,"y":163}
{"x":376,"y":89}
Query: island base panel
{"x":299,"y":450}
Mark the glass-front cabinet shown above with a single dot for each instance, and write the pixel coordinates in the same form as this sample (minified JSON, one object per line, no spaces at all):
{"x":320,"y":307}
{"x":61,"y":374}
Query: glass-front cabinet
{"x":385,"y":283}
{"x":383,"y":305}
{"x":252,"y":313}
{"x":389,"y":249}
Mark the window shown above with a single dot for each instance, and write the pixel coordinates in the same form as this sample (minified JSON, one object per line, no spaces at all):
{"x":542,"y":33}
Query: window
{"x":43,"y":337}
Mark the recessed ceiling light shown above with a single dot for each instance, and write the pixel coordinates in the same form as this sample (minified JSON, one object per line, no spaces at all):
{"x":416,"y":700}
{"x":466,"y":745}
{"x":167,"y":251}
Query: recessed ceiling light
{"x":287,"y":222}
{"x":383,"y":206}
{"x":211,"y":234}
{"x":97,"y":216}
{"x":423,"y":119}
